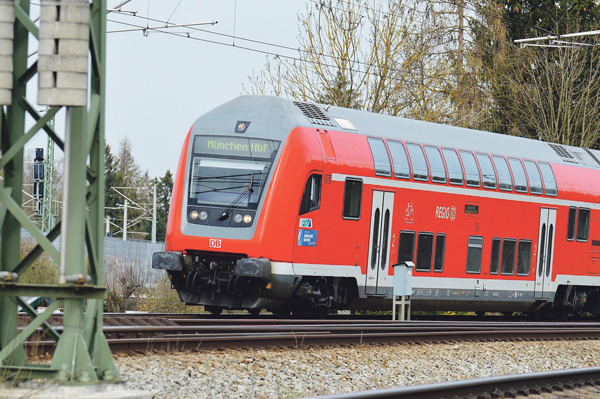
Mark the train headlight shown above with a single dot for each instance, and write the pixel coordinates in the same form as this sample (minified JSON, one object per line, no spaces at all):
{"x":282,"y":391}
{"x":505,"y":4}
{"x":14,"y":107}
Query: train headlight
{"x":194,"y":214}
{"x":237,"y":218}
{"x":247,"y":218}
{"x":203,"y":215}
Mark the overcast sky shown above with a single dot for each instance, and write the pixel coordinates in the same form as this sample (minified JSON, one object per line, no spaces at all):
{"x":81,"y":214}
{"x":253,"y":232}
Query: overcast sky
{"x":158,"y":84}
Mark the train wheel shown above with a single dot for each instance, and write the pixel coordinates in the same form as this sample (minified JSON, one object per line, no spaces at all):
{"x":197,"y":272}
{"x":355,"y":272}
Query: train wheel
{"x":283,"y":313}
{"x":538,"y":315}
{"x":321,"y":312}
{"x":215,"y":310}
{"x":562,"y":314}
{"x":254,"y":311}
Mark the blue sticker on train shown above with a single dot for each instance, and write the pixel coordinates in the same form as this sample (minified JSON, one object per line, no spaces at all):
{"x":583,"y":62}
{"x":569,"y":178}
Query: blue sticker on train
{"x":307,"y":238}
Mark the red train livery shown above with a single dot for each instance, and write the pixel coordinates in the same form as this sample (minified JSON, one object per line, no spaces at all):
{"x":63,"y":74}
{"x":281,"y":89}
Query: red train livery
{"x":298,"y":207}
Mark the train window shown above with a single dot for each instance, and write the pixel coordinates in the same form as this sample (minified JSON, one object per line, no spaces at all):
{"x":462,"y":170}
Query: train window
{"x":381,"y":157}
{"x":474,"y":254}
{"x":549,"y":260}
{"x":374,"y":245}
{"x":524,"y":258}
{"x":440,"y":250}
{"x":352,"y":199}
{"x":571,"y":224}
{"x":542,"y":257}
{"x":487,"y":171}
{"x":455,"y":172}
{"x":386,"y":230}
{"x":583,"y":224}
{"x":406,"y":247}
{"x":549,"y":180}
{"x":509,"y":252}
{"x":419,"y":164}
{"x":471,"y":169}
{"x":400,"y":160}
{"x":424,"y":252}
{"x":311,"y":199}
{"x":519,"y":175}
{"x":504,"y":178}
{"x":495,"y":259}
{"x":535,"y":181}
{"x":436,"y":165}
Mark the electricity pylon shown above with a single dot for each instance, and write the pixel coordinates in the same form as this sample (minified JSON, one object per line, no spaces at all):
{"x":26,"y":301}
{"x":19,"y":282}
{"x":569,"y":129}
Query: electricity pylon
{"x":82,"y":354}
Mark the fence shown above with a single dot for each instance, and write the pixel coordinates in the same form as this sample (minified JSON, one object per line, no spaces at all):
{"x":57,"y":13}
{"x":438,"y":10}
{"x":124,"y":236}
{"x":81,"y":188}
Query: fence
{"x":131,"y":252}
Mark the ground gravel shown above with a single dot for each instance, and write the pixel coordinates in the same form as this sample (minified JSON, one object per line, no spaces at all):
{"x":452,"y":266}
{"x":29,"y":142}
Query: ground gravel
{"x":311,"y":371}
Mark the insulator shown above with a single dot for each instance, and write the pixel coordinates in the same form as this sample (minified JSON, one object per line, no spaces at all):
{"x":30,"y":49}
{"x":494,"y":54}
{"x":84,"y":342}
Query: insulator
{"x":7,"y":18}
{"x":63,"y":52}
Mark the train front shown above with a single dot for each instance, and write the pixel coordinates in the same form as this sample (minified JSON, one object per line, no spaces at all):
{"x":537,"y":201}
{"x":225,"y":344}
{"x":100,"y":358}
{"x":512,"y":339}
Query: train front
{"x":215,"y":253}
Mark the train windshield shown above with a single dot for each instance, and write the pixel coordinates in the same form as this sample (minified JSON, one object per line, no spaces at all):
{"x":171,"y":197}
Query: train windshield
{"x":229,"y":171}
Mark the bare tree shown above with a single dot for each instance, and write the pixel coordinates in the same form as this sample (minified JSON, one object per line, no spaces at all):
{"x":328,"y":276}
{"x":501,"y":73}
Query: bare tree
{"x":556,"y":97}
{"x":124,"y":282}
{"x":386,"y":57}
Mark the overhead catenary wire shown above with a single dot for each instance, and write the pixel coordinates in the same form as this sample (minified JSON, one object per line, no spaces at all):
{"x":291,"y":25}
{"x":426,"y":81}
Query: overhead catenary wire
{"x":300,"y":50}
{"x":269,"y":53}
{"x":173,"y":13}
{"x":268,"y":44}
{"x":161,"y":27}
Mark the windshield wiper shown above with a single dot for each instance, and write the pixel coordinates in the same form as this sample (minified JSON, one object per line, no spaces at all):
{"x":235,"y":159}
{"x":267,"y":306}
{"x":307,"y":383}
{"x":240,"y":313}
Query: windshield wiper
{"x":229,"y":209}
{"x":216,"y":189}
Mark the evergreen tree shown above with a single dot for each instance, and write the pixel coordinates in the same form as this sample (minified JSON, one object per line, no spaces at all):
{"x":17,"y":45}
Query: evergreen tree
{"x":125,"y":181}
{"x":110,"y":180}
{"x":559,"y":17}
{"x":164,"y":189}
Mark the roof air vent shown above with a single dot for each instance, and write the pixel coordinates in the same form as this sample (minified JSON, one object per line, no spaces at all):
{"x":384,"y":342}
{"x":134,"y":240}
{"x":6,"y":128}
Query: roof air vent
{"x":314,"y":114}
{"x":563,"y":153}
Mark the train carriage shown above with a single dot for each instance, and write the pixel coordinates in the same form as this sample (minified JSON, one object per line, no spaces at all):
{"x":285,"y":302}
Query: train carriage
{"x":297,"y":207}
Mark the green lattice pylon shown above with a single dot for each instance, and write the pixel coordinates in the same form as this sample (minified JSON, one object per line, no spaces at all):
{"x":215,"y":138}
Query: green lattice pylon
{"x":82,"y":354}
{"x":48,"y":198}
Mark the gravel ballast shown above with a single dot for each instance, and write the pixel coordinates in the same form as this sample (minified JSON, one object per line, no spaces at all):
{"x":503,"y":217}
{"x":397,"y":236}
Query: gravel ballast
{"x":310,"y":371}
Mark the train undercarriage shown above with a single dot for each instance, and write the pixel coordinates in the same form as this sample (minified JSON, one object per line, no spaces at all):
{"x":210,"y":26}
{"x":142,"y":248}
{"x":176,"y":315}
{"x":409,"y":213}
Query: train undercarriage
{"x":235,"y":282}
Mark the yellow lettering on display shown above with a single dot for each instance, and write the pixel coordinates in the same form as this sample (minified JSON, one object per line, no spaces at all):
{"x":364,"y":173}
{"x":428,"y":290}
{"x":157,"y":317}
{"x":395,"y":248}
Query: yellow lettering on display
{"x":259,"y":147}
{"x":236,"y":146}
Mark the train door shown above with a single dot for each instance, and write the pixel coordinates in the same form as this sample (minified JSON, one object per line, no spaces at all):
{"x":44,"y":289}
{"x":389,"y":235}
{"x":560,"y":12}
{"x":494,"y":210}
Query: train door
{"x":379,"y":243}
{"x":545,"y":251}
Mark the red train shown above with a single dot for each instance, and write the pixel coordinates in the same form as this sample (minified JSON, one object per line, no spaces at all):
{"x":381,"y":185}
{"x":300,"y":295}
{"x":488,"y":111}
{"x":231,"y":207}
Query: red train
{"x":297,"y":207}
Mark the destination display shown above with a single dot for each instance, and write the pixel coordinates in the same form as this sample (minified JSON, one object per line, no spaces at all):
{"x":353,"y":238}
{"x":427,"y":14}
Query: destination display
{"x":235,"y":146}
{"x":472,"y":209}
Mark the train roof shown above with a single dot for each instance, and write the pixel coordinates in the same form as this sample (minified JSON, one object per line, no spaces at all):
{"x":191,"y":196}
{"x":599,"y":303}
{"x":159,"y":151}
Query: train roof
{"x":274,"y":117}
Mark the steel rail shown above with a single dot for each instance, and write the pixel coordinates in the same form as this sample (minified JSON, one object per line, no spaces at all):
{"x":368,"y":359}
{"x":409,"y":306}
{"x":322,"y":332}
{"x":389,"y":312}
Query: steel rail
{"x":571,"y":383}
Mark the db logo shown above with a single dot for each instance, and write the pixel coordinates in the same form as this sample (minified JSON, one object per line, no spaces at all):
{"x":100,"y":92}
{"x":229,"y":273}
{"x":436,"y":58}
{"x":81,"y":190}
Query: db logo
{"x":214,"y":243}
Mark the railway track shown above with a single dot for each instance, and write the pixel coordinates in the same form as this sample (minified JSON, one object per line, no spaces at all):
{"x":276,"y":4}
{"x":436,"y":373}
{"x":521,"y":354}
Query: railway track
{"x":149,"y":333}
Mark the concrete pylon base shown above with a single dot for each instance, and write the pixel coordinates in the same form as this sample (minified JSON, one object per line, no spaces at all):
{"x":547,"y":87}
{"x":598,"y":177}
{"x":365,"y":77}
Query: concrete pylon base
{"x":99,"y":391}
